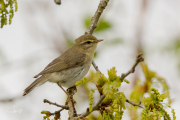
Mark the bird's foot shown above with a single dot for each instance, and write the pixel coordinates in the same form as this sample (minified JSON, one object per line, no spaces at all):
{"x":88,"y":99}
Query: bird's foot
{"x":70,"y":92}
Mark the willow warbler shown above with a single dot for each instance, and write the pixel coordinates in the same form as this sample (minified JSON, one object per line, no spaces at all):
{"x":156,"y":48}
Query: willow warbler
{"x":70,"y":67}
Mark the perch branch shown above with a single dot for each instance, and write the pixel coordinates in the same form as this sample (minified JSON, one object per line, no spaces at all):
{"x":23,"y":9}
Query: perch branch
{"x":93,"y":25}
{"x":70,"y":102}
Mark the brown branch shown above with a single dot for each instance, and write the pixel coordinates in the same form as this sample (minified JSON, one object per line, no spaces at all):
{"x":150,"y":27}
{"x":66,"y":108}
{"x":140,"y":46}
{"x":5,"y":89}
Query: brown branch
{"x":139,"y":59}
{"x":135,"y":104}
{"x":95,"y":66}
{"x":56,"y":112}
{"x":70,"y":102}
{"x":93,"y":25}
{"x":95,"y":18}
{"x":51,"y":103}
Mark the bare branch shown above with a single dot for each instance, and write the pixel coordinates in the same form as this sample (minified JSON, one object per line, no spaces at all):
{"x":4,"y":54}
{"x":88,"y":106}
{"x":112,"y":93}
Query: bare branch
{"x":95,"y":18}
{"x":95,"y":66}
{"x":56,"y":112}
{"x":51,"y":103}
{"x":135,"y":104}
{"x":139,"y":59}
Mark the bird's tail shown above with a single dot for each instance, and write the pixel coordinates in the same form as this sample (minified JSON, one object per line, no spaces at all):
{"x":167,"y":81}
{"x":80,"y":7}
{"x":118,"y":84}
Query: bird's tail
{"x":37,"y":82}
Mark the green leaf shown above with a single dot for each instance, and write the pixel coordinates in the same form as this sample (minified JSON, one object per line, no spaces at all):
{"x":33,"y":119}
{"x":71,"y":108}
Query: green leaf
{"x":116,"y":83}
{"x":127,"y":81}
{"x":121,"y":100}
{"x":4,"y":6}
{"x":102,"y":80}
{"x":103,"y":25}
{"x":108,"y":91}
{"x":164,"y":95}
{"x":95,"y":77}
{"x":82,"y":81}
{"x":87,"y":21}
{"x":112,"y":74}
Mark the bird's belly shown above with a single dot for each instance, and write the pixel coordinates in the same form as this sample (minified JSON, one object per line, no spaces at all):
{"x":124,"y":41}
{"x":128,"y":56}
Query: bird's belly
{"x":68,"y":78}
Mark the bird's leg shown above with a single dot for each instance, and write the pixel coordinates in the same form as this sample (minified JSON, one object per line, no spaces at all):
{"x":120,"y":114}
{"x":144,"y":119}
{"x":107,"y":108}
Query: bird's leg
{"x":64,"y":90}
{"x":70,"y":97}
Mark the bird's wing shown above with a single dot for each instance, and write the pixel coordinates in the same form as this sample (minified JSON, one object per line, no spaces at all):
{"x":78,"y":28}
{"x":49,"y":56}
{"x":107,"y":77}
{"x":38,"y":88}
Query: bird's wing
{"x":67,"y":60}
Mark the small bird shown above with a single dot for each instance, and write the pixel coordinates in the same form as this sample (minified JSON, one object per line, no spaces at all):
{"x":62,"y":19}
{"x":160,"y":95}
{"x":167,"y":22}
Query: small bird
{"x":70,"y":67}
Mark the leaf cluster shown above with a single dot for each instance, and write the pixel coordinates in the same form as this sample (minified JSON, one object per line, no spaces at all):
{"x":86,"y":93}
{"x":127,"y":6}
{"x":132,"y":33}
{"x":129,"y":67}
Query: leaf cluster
{"x":151,"y":79}
{"x":153,"y":104}
{"x":154,"y":108}
{"x":114,"y":103}
{"x":4,"y":12}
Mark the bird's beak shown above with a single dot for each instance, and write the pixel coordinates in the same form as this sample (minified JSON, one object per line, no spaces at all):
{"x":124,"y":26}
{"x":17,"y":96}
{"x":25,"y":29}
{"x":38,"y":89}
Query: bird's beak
{"x":99,"y":40}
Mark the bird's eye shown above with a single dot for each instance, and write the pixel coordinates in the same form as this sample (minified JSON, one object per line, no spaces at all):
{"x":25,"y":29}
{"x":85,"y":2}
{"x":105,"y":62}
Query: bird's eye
{"x":88,"y":42}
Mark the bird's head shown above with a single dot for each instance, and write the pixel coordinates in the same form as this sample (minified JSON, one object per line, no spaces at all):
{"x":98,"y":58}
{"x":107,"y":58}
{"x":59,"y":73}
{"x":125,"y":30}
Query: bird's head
{"x":87,"y":43}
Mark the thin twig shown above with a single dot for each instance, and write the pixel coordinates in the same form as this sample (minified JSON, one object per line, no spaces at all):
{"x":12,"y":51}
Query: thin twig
{"x":56,"y":114}
{"x":95,"y":18}
{"x":95,"y":66}
{"x":139,"y":59}
{"x":51,"y":103}
{"x":135,"y":104}
{"x":57,"y":111}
